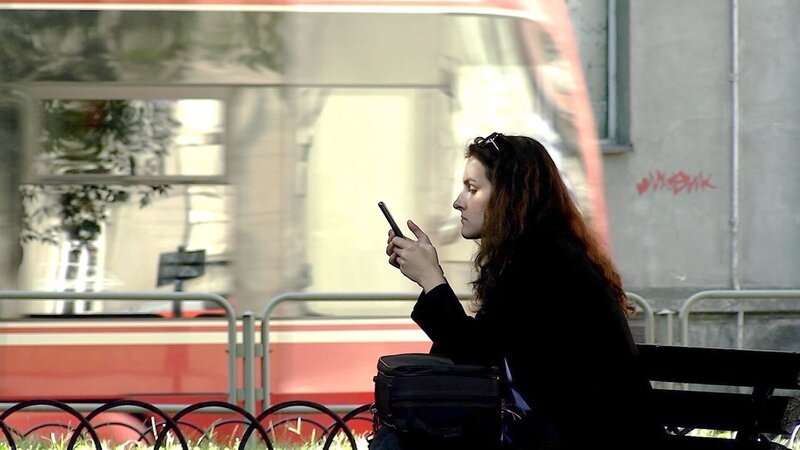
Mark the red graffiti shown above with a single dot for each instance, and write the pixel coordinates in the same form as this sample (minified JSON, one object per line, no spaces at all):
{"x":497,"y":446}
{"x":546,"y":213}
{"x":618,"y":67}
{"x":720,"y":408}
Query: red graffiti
{"x":678,"y":182}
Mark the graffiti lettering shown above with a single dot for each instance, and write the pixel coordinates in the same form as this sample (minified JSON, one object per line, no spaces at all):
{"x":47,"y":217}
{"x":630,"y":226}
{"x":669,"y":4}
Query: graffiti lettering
{"x":677,"y":183}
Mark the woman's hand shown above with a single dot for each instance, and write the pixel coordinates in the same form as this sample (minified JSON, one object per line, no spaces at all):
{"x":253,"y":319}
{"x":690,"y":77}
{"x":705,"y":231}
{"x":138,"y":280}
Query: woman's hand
{"x":417,"y":260}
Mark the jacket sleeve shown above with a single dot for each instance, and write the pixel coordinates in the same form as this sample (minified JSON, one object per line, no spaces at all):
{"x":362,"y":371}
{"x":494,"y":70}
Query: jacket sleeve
{"x":455,"y":334}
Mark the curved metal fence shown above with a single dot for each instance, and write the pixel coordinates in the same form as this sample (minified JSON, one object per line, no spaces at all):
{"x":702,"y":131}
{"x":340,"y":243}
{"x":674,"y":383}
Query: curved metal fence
{"x":160,"y":427}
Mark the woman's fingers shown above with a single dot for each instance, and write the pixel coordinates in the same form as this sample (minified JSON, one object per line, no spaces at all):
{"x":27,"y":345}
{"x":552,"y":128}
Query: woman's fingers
{"x":393,"y":260}
{"x":405,"y":253}
{"x":389,"y":245}
{"x":399,"y":242}
{"x":391,"y":249}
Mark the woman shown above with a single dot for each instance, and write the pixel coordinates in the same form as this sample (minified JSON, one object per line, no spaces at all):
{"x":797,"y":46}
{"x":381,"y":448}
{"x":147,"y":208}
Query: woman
{"x":551,"y":308}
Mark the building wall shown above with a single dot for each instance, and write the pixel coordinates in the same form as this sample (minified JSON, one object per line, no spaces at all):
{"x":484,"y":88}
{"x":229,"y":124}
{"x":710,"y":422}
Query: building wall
{"x":671,"y":198}
{"x":770,"y":133}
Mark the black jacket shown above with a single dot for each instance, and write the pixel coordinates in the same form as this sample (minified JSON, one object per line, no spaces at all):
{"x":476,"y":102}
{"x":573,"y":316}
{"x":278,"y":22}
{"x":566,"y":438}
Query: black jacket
{"x":568,"y":347}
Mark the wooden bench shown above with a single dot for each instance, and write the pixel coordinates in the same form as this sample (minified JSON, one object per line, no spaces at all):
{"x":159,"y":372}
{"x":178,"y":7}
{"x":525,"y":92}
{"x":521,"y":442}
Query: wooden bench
{"x":754,"y":393}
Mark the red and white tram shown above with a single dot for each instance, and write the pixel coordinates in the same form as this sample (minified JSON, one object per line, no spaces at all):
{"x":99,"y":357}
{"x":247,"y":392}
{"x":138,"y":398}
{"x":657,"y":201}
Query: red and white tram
{"x":297,"y":117}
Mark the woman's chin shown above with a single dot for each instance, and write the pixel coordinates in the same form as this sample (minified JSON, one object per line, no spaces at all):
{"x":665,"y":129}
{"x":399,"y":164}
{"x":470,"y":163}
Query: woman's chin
{"x":469,"y":234}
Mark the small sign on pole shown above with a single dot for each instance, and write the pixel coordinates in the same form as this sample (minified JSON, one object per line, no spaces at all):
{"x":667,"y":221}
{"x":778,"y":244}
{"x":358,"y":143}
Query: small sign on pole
{"x":180,"y":266}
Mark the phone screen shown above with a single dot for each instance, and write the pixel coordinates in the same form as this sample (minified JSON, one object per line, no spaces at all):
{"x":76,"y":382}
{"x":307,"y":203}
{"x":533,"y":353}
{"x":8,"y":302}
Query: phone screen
{"x":390,"y":219}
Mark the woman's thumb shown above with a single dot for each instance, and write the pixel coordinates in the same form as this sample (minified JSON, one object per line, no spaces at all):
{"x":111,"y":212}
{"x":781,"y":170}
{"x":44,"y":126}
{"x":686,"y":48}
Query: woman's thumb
{"x":421,"y":236}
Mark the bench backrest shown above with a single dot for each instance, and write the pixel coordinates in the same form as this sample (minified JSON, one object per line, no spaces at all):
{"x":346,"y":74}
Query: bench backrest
{"x":722,"y":366}
{"x":706,"y":405}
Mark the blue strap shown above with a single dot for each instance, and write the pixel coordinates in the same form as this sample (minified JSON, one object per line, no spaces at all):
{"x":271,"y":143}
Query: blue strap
{"x":516,"y":396}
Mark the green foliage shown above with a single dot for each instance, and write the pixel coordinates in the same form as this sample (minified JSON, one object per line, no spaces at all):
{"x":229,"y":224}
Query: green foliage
{"x":112,"y":137}
{"x":80,"y":209}
{"x":106,"y":136}
{"x":117,"y":136}
{"x":52,"y":45}
{"x":139,"y":46}
{"x":724,"y":434}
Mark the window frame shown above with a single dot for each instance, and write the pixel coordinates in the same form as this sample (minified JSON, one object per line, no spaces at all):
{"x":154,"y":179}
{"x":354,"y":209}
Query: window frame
{"x":36,"y":92}
{"x":617,"y":137}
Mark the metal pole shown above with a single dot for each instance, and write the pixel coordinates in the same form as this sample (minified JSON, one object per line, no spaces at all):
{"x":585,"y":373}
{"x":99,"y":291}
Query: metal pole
{"x":177,"y":310}
{"x":649,"y":316}
{"x":734,"y":79}
{"x":740,"y":329}
{"x":667,"y":335}
{"x":248,"y":338}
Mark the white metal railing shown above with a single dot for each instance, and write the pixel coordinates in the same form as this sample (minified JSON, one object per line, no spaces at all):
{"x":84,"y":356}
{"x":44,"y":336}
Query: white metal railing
{"x":746,"y":295}
{"x":249,"y":366}
{"x":249,"y":349}
{"x":326,"y":297}
{"x":230,"y":315}
{"x":649,"y":316}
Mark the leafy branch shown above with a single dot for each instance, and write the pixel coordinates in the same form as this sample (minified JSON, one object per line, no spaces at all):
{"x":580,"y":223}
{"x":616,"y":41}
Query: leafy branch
{"x":113,"y":137}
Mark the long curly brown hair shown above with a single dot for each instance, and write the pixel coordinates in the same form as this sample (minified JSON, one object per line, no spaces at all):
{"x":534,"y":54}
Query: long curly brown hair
{"x":529,"y":198}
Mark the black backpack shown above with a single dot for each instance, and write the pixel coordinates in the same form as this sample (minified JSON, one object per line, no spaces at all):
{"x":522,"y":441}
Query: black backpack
{"x":428,"y":396}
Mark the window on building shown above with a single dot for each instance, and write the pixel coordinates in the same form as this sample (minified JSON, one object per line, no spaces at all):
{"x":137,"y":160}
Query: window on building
{"x":602,"y":30}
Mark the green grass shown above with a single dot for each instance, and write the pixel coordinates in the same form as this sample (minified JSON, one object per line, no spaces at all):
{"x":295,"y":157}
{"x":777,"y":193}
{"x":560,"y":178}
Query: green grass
{"x":730,"y":435}
{"x":340,"y":443}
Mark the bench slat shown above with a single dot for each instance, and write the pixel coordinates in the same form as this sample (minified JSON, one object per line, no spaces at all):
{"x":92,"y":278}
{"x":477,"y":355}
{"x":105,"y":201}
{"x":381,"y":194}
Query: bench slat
{"x":718,"y":366}
{"x":725,"y":411}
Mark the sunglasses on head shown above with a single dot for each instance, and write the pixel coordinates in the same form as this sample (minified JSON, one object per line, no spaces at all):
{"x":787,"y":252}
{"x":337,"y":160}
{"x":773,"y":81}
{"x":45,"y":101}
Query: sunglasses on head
{"x":493,"y":139}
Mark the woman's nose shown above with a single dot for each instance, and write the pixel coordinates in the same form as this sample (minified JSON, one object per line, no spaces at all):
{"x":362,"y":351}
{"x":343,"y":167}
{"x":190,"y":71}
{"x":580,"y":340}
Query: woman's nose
{"x":456,"y":203}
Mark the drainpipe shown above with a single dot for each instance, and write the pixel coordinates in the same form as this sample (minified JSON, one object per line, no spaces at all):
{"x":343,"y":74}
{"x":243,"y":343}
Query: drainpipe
{"x":734,"y":80}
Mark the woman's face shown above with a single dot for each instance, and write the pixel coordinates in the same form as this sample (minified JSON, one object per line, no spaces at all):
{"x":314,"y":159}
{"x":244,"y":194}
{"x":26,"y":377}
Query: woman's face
{"x":474,"y":197}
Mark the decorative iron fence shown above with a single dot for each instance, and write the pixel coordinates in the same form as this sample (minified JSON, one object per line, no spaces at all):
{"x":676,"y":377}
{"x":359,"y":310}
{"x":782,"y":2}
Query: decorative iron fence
{"x":162,"y":427}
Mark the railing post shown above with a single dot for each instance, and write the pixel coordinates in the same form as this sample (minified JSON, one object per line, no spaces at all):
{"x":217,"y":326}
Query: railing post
{"x":668,"y":335}
{"x":649,"y":317}
{"x":249,"y":353}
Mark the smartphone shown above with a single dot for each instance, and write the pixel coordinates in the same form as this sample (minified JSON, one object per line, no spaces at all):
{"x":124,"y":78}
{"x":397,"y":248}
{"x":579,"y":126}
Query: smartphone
{"x":390,"y":219}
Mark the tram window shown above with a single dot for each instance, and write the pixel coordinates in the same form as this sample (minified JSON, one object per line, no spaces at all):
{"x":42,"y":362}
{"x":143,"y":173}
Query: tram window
{"x":83,"y":138}
{"x":197,"y":217}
